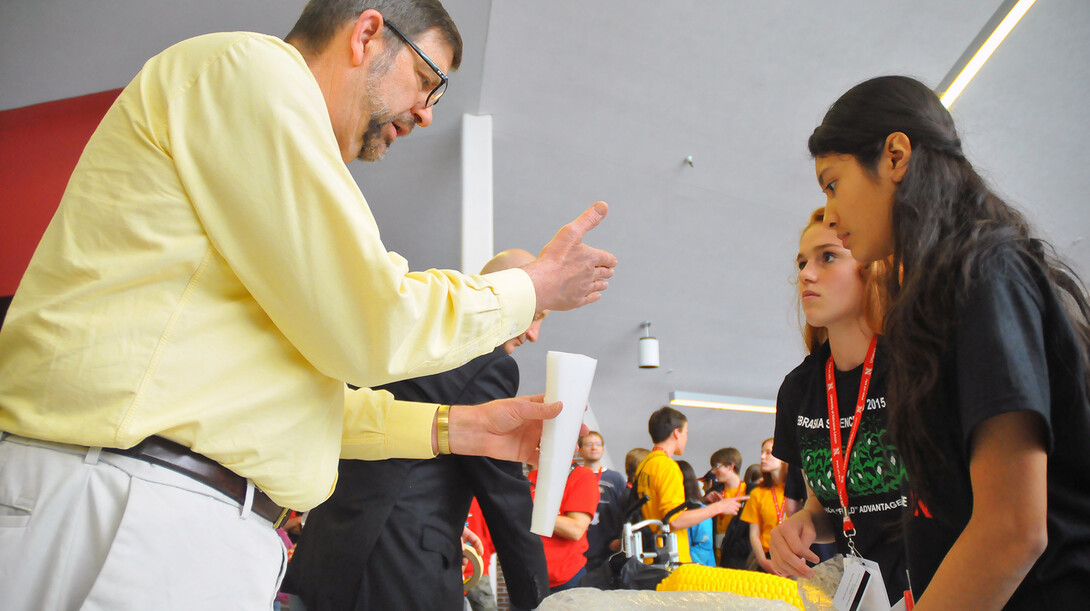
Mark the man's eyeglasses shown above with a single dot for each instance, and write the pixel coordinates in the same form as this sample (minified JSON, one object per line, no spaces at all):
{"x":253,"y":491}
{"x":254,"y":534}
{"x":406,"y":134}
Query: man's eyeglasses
{"x":441,"y":88}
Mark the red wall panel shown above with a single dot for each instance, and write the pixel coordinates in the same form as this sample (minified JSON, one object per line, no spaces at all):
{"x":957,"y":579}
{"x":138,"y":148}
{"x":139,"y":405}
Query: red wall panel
{"x":39,"y":147}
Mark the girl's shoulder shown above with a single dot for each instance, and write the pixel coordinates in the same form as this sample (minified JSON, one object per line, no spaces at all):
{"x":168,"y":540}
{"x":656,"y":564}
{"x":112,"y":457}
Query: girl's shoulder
{"x":1006,"y":260}
{"x":813,"y":364}
{"x":1004,"y":268}
{"x":759,"y":493}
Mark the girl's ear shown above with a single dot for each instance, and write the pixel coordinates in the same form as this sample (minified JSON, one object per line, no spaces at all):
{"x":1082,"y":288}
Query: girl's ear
{"x":895,"y":155}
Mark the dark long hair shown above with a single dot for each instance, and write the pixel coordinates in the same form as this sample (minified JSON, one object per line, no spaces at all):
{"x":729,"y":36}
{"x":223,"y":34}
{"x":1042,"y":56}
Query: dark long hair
{"x":946,"y":222}
{"x":693,"y":493}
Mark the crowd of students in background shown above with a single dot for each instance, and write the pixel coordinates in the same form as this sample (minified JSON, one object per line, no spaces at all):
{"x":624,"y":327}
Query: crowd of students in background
{"x":730,"y":513}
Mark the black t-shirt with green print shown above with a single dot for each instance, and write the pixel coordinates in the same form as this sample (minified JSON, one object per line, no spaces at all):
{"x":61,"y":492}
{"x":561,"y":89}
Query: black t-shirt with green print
{"x":875,"y":472}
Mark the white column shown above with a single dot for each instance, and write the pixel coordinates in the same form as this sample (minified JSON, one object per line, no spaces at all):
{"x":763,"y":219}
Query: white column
{"x":476,"y":192}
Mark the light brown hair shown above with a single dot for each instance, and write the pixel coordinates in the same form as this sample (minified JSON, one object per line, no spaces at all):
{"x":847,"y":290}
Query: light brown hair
{"x":875,"y":299}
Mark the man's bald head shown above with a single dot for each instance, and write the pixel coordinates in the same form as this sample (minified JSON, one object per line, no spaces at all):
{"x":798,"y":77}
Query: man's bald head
{"x":508,"y":259}
{"x":514,"y":257}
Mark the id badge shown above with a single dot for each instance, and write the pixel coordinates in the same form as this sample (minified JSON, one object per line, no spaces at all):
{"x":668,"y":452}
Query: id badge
{"x":861,"y":588}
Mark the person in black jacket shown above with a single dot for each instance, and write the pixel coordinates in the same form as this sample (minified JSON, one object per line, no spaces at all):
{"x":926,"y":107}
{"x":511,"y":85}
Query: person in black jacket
{"x":604,"y":532}
{"x":389,"y":536}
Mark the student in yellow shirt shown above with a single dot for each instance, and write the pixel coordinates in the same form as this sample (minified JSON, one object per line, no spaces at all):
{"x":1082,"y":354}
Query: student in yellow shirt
{"x":766,"y":507}
{"x":659,"y":477}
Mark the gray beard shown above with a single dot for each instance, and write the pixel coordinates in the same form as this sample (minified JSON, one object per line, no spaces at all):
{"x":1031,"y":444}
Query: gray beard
{"x":374,"y":145}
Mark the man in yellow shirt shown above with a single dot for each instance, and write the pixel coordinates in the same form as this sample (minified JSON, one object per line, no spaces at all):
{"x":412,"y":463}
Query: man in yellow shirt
{"x":659,"y":477}
{"x":176,"y":354}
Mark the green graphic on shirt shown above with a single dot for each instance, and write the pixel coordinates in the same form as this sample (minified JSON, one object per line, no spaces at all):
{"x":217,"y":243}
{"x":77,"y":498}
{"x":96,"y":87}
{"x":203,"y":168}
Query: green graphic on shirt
{"x":873,"y":467}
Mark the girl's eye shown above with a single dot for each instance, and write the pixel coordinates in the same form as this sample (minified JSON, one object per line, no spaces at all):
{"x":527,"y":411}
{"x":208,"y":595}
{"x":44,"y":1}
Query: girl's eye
{"x":828,"y":257}
{"x":801,"y":264}
{"x":831,"y":187}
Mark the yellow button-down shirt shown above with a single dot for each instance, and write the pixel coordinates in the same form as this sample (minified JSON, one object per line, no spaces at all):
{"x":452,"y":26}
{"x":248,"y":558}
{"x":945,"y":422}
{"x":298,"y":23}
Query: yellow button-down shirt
{"x":213,"y":275}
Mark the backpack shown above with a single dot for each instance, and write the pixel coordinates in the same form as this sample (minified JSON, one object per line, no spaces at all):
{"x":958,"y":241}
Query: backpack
{"x":735,"y":550}
{"x":632,"y":513}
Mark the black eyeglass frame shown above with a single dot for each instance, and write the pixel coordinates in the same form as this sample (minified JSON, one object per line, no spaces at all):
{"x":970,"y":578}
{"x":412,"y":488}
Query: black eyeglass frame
{"x":441,"y":88}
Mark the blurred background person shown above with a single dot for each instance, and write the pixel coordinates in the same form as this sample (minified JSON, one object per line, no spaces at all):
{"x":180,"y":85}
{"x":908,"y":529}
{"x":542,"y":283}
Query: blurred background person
{"x":659,"y":477}
{"x":603,"y":535}
{"x":632,"y":461}
{"x":734,"y":552}
{"x":753,"y":476}
{"x":564,"y":549}
{"x":701,"y":534}
{"x":766,"y":507}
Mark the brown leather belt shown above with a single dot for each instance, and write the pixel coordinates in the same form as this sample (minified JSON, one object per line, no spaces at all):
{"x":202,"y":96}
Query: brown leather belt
{"x":177,"y":457}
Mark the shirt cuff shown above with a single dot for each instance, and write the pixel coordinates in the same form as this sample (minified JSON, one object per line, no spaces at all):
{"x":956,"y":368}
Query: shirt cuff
{"x":408,"y":431}
{"x":518,"y":300}
{"x":377,"y":427}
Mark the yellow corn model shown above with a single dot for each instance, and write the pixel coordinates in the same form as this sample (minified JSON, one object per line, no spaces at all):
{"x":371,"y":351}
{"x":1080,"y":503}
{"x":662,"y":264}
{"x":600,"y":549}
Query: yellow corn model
{"x":697,"y":577}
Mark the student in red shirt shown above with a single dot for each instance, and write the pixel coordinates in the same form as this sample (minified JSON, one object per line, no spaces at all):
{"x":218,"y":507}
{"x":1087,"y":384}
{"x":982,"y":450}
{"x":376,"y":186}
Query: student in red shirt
{"x":564,"y":550}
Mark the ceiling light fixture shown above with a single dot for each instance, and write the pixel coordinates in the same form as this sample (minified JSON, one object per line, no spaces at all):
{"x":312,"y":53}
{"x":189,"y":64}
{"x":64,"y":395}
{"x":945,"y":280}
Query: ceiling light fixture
{"x":741,"y":404}
{"x":952,"y":87}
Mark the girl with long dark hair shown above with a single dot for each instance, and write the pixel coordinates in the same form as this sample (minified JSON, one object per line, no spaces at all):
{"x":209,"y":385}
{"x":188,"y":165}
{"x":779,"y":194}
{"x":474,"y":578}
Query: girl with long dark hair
{"x":988,"y":336}
{"x":701,"y":534}
{"x":843,"y":380}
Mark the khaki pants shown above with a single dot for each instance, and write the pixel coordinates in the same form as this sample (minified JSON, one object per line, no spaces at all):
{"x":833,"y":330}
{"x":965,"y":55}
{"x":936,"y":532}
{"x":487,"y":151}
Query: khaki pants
{"x":80,"y":529}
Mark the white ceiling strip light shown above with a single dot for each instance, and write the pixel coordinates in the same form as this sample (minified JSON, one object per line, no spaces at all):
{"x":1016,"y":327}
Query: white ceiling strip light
{"x":990,"y":45}
{"x":742,"y":404}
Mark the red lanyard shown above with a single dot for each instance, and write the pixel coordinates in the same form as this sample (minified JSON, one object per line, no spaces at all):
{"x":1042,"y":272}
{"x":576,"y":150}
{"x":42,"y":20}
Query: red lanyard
{"x":780,"y":507}
{"x":840,"y":458}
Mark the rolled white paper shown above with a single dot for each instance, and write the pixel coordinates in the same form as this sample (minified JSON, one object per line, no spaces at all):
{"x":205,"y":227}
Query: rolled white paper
{"x":567,"y":379}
